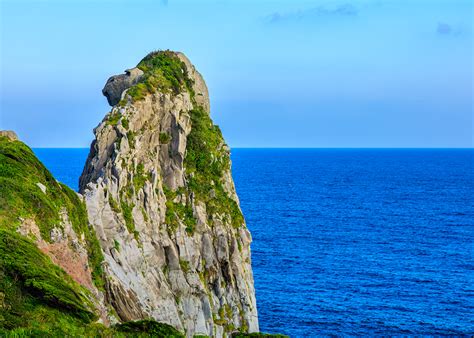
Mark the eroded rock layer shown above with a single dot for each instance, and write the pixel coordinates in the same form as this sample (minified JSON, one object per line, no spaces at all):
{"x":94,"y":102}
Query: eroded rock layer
{"x":159,"y":193}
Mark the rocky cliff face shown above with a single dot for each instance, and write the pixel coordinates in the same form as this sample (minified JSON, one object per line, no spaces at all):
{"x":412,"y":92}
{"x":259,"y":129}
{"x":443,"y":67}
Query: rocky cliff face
{"x":51,"y":278}
{"x":159,"y":193}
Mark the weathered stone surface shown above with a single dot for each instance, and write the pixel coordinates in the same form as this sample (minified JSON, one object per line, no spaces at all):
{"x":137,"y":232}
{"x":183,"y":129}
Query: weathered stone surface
{"x":199,"y":86}
{"x":117,"y":84}
{"x":42,"y":187}
{"x":199,"y":282}
{"x":10,"y":134}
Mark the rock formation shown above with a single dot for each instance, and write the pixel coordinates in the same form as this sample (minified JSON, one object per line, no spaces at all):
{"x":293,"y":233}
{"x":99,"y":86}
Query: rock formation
{"x":9,"y":134}
{"x":51,"y":278}
{"x":159,"y":193}
{"x":44,"y":222}
{"x":117,"y":84}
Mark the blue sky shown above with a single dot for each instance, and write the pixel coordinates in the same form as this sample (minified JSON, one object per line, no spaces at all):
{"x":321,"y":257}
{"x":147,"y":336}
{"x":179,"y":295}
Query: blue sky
{"x":280,"y":73}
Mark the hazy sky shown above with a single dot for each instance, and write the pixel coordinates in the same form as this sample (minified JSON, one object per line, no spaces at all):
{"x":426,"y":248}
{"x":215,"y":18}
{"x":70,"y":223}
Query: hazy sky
{"x":280,"y":73}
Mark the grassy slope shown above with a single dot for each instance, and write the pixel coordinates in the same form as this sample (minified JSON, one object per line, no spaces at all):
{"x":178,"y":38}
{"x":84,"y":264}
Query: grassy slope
{"x":21,"y":198}
{"x":36,"y":296}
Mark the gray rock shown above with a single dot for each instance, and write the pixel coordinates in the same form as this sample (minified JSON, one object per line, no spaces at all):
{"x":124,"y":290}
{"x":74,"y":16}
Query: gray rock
{"x":42,"y":187}
{"x":199,"y":86}
{"x":10,"y":134}
{"x":168,"y":274}
{"x":117,"y":84}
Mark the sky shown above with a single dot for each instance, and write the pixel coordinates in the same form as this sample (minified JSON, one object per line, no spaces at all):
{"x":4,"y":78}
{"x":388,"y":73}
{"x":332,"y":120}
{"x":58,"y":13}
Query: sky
{"x":280,"y":73}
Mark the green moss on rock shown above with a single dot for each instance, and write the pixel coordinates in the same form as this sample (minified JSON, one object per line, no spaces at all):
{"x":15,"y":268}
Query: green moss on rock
{"x":113,"y":119}
{"x":139,"y":178}
{"x":176,"y":211}
{"x":165,"y":138}
{"x":184,"y":265}
{"x":149,"y":327}
{"x":128,"y":217}
{"x":206,"y":161}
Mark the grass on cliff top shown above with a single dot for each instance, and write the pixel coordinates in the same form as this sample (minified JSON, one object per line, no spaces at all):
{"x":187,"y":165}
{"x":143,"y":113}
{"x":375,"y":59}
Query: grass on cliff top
{"x":163,"y":71}
{"x":21,"y":198}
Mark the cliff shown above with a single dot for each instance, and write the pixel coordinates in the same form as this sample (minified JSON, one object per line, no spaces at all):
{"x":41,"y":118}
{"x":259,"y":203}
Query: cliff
{"x":51,"y":277}
{"x":155,"y":244}
{"x":159,"y":193}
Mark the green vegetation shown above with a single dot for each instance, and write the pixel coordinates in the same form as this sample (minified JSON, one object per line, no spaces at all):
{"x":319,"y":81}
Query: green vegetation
{"x":151,"y":327}
{"x":116,"y":245}
{"x":184,"y":265}
{"x":113,"y":119}
{"x":178,"y":211}
{"x":125,"y":123}
{"x":206,"y":158}
{"x":128,"y":217}
{"x":21,"y":198}
{"x":163,"y":71}
{"x":28,"y":276}
{"x":131,"y":139}
{"x":113,"y":204}
{"x":140,"y":178}
{"x":165,"y":138}
{"x":138,"y":91}
{"x":206,"y":161}
{"x":37,"y":298}
{"x":126,"y":209}
{"x":80,"y":223}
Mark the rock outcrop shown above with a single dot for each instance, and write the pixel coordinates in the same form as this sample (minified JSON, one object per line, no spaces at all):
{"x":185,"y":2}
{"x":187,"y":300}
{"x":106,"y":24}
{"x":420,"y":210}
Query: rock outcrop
{"x":117,"y":84}
{"x":9,"y":134}
{"x":51,"y":279}
{"x":159,"y":193}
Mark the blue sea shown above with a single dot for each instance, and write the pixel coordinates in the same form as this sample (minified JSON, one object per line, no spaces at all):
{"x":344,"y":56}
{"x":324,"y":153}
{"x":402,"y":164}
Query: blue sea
{"x":352,"y":241}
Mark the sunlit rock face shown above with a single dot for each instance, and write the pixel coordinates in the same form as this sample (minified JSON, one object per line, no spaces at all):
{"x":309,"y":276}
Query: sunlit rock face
{"x":9,"y":134}
{"x":160,"y":195}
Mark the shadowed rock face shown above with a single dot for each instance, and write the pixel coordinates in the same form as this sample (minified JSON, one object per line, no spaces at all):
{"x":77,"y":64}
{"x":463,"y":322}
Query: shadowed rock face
{"x":117,"y":84}
{"x":175,"y":243}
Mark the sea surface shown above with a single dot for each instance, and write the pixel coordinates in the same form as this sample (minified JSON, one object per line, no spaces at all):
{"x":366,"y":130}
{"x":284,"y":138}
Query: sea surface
{"x":352,"y":241}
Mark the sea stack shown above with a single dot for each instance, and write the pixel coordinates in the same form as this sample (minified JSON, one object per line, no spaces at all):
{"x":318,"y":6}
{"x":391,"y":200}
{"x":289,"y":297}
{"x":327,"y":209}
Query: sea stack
{"x":159,"y":192}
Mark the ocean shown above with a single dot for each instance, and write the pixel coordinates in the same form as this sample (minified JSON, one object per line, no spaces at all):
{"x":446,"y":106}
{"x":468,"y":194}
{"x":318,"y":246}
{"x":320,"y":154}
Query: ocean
{"x":351,"y":241}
